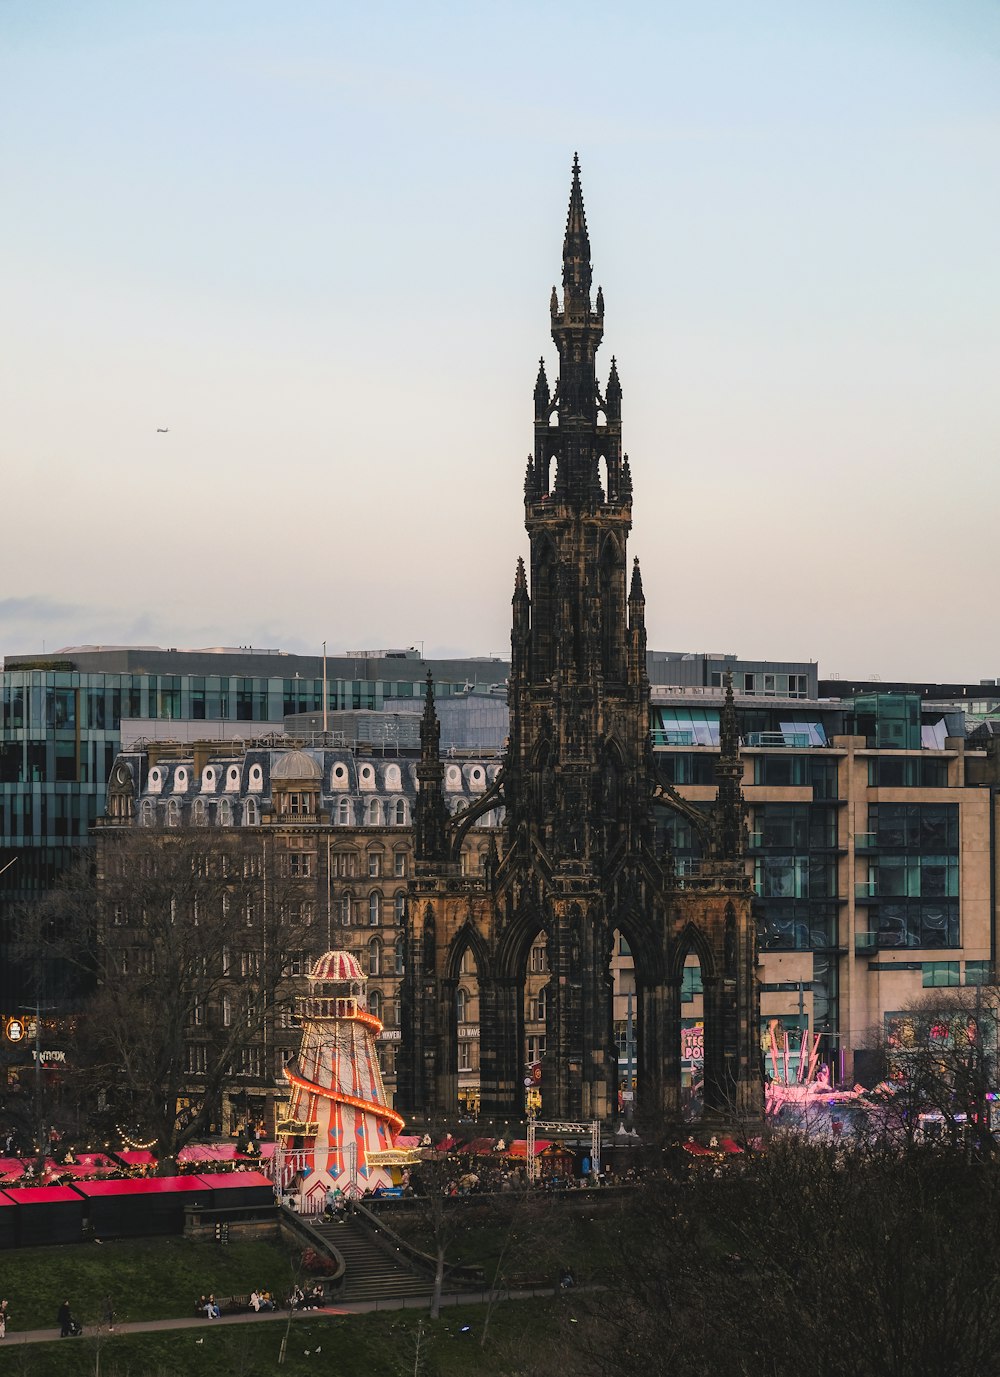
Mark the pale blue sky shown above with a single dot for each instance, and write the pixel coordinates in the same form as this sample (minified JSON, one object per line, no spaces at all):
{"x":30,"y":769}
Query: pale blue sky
{"x":317,"y":241}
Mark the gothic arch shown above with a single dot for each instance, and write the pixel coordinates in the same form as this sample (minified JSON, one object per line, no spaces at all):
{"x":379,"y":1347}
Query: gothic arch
{"x":468,"y":938}
{"x":693,"y":942}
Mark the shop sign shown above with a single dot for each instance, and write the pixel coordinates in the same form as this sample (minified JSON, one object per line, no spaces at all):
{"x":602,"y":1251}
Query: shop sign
{"x":693,"y":1042}
{"x":468,"y":1032}
{"x":50,"y":1058}
{"x":390,"y":1035}
{"x":15,"y":1029}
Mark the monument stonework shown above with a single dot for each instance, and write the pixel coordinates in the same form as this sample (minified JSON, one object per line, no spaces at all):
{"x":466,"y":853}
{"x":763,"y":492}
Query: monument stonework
{"x":578,"y":858}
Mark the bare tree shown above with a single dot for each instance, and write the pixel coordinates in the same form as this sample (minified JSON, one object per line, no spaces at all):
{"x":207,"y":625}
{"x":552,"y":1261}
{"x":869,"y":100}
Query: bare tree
{"x":940,"y":1058}
{"x":189,"y":939}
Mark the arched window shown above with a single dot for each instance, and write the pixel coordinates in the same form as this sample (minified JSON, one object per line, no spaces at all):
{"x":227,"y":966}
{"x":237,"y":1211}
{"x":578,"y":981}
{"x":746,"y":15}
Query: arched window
{"x":225,"y":813}
{"x":399,"y":907}
{"x":173,"y":813}
{"x":373,"y":813}
{"x":400,"y":812}
{"x":462,"y":1005}
{"x":199,"y":813}
{"x":344,"y":904}
{"x":375,"y":1003}
{"x":147,"y":814}
{"x":400,"y":964}
{"x":374,"y":909}
{"x":251,"y":817}
{"x":374,"y":957}
{"x":344,"y":812}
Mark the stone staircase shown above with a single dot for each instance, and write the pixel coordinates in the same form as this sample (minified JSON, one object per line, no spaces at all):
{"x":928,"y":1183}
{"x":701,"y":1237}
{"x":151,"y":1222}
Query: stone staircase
{"x":371,"y":1274}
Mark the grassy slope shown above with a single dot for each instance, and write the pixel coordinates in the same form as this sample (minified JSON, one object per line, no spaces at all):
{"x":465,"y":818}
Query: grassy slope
{"x":382,"y":1344}
{"x":148,"y":1279}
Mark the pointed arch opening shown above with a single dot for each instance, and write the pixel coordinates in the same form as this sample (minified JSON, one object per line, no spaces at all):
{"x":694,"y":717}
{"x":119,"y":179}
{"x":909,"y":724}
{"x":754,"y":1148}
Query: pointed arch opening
{"x":611,"y":581}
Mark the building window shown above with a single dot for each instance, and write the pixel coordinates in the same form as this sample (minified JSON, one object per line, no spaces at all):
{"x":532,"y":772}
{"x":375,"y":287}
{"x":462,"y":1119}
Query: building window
{"x":300,"y":863}
{"x":173,"y":813}
{"x":536,"y":1047}
{"x":227,"y":1011}
{"x":374,"y":957}
{"x":400,"y":967}
{"x":197,"y":1059}
{"x":147,"y":813}
{"x":251,"y":817}
{"x":250,"y":963}
{"x":344,"y":910}
{"x":691,"y":984}
{"x":938,"y":973}
{"x":536,"y":1006}
{"x":462,"y":1006}
{"x":538,"y":961}
{"x":199,"y":813}
{"x":225,"y":813}
{"x":344,"y":812}
{"x":374,"y":864}
{"x":400,"y":813}
{"x":399,"y":864}
{"x":375,"y":1003}
{"x":978,"y":973}
{"x":399,"y":908}
{"x":374,"y":909}
{"x":373,"y":813}
{"x":465,"y":1055}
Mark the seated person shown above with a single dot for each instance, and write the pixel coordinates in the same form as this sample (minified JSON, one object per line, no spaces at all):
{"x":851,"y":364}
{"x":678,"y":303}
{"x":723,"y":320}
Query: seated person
{"x":255,"y":1302}
{"x":266,"y":1300}
{"x":212,"y":1308}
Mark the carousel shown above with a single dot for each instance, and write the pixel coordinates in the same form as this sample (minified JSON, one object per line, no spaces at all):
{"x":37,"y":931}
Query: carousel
{"x":339,"y":1134}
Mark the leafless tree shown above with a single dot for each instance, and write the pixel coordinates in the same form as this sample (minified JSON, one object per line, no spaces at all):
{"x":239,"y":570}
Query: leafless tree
{"x":189,"y":940}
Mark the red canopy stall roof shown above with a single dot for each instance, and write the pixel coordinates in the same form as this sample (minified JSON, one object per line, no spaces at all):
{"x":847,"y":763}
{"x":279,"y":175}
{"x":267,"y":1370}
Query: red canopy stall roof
{"x":42,"y":1195}
{"x":147,"y":1185}
{"x":6,"y":1200}
{"x":136,"y":1157}
{"x":234,"y":1180}
{"x":696,"y":1149}
{"x":479,"y":1147}
{"x":519,"y":1147}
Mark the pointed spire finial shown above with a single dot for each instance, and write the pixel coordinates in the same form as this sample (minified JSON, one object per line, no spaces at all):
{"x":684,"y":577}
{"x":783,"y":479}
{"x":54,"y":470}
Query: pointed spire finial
{"x":576,"y":246}
{"x":520,"y":579}
{"x":635,"y":593}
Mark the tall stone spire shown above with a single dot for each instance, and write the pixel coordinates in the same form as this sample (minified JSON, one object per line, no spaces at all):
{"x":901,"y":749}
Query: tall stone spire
{"x":431,"y":815}
{"x":728,"y":823}
{"x":576,"y":249}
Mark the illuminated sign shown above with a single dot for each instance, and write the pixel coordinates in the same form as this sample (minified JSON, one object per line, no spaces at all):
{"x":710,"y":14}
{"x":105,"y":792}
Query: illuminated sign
{"x":15,"y":1029}
{"x":693,"y":1042}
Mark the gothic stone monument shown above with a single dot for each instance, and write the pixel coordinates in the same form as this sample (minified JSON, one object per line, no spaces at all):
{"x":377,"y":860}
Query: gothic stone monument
{"x":577,"y":857}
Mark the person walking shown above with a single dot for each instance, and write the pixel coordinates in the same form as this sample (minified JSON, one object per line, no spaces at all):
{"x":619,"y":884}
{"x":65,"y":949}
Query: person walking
{"x":109,"y":1314}
{"x":3,"y":1319}
{"x":65,"y":1320}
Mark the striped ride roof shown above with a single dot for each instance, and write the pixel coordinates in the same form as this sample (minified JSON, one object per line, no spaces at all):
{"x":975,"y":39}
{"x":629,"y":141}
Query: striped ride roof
{"x":337,"y":965}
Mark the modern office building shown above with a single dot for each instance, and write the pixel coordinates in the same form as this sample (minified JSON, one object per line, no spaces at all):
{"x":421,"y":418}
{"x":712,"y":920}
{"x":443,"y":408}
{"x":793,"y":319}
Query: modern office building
{"x":873,"y":853}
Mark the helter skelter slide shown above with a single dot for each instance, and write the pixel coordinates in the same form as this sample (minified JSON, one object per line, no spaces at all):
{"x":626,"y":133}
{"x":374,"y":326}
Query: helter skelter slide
{"x":339,"y":1131}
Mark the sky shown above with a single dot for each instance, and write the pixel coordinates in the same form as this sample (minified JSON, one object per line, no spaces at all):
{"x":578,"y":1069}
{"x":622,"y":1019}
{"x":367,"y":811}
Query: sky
{"x":315,"y":242}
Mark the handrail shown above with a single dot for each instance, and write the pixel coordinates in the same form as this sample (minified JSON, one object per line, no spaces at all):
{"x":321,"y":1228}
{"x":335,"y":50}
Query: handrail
{"x":468,"y":1276}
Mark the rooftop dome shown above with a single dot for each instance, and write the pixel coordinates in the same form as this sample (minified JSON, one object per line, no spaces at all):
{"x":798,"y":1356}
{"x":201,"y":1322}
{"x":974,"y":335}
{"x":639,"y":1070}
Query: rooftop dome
{"x":295,"y":765}
{"x":337,"y":965}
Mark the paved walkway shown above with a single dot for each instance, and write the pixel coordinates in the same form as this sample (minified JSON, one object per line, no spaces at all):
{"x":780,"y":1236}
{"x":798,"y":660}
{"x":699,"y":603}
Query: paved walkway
{"x":329,"y":1312}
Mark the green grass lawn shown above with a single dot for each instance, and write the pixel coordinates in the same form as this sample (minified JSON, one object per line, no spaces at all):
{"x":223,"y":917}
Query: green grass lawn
{"x":348,"y":1346}
{"x":147,"y":1278}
